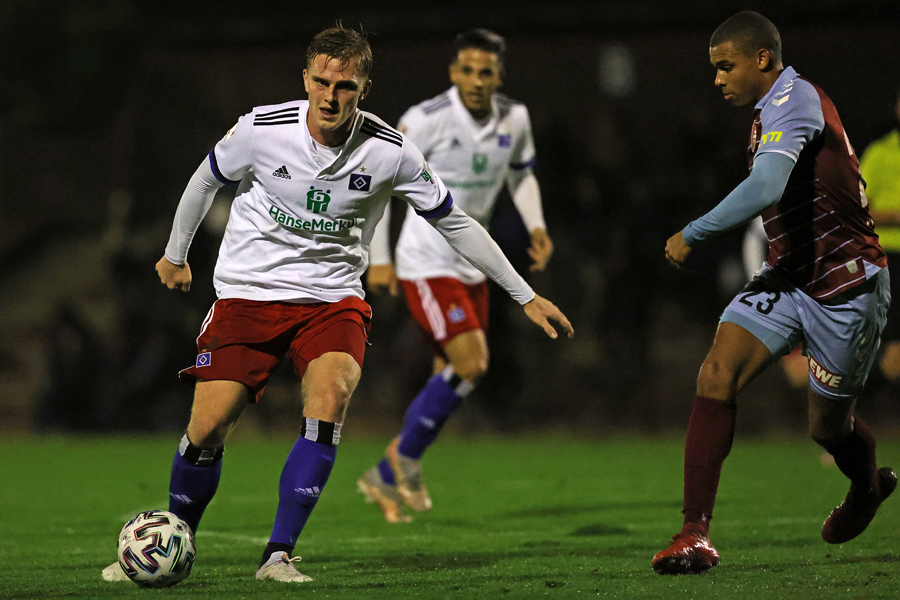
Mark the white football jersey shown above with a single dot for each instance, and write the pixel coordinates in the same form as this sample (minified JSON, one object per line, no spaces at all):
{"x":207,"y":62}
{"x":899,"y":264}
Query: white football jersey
{"x":473,"y":160}
{"x":302,"y":220}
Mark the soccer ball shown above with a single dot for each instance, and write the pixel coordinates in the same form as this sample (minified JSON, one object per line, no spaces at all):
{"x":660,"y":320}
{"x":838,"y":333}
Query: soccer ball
{"x":156,"y":549}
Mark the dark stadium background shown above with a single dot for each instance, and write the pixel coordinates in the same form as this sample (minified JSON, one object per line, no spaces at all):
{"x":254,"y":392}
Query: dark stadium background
{"x":106,"y":108}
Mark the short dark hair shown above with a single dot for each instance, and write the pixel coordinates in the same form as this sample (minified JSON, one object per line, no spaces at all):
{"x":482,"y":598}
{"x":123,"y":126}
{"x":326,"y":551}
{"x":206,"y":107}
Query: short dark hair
{"x":346,"y":45}
{"x":750,"y":31}
{"x":482,"y":39}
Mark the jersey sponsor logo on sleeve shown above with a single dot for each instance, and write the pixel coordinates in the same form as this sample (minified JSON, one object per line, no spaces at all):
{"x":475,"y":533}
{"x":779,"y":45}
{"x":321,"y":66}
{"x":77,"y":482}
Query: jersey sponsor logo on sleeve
{"x":317,"y":200}
{"x":203,"y":360}
{"x":426,"y":174}
{"x":781,"y":101}
{"x":504,"y":140}
{"x":359,"y":182}
{"x":823,"y":375}
{"x":772,"y":136}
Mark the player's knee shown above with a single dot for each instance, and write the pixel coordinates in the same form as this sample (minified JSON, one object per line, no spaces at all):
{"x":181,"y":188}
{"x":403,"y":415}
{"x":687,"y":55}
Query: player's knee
{"x":472,"y":368}
{"x":716,"y":380}
{"x":206,"y":431}
{"x":822,"y":436}
{"x":827,"y":435}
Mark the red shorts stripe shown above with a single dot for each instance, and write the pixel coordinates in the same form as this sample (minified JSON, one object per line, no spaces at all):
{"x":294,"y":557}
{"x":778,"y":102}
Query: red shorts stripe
{"x":444,"y":307}
{"x":245,"y":340}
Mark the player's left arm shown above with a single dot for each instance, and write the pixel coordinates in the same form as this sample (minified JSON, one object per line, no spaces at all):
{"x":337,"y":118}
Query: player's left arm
{"x":473,"y":243}
{"x":525,"y":191}
{"x":429,"y":197}
{"x":526,"y":194}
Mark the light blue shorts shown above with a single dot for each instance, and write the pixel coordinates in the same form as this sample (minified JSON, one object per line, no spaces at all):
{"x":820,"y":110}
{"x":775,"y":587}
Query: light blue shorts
{"x":839,"y":335}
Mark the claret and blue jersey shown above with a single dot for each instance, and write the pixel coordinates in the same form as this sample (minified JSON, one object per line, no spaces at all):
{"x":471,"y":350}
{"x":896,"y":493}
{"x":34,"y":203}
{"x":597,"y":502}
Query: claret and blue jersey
{"x":821,"y":237}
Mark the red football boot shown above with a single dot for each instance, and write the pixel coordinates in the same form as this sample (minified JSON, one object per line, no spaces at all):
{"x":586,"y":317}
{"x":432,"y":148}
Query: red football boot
{"x":689,"y":552}
{"x":858,"y":509}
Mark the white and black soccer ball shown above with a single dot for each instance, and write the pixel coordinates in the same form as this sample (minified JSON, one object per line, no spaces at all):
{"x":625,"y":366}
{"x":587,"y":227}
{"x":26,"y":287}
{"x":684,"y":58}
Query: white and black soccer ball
{"x":156,"y":549}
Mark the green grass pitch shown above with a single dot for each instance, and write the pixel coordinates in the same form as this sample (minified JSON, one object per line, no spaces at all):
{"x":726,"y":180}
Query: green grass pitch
{"x":522,"y":517}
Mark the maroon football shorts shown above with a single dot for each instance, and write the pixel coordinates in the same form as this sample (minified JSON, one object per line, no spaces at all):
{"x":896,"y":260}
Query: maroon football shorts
{"x":445,"y":307}
{"x":245,"y":340}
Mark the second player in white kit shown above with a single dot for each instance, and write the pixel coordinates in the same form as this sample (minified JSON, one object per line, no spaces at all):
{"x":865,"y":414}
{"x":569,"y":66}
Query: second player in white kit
{"x":476,"y":140}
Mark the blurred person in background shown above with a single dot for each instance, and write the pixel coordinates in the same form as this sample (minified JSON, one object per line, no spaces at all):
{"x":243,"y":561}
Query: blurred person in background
{"x":880,"y":166}
{"x":825,"y":283}
{"x":313,"y":178}
{"x":475,"y":139}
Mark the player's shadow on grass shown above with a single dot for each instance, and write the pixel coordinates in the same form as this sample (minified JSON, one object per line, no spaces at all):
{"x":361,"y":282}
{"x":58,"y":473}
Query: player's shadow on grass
{"x":799,"y":542}
{"x":421,"y":562}
{"x":602,"y":507}
{"x":804,"y":563}
{"x":441,"y":584}
{"x":600,"y":529}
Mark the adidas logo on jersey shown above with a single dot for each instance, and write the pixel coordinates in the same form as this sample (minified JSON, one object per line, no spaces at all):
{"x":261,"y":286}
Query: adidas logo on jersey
{"x":282,"y":172}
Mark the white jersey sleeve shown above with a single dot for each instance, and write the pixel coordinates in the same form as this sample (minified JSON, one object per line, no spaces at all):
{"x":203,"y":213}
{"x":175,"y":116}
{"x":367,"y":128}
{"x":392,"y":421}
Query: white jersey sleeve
{"x":426,"y":194}
{"x":198,"y":196}
{"x":419,"y":186}
{"x":472,"y":241}
{"x":232,"y":157}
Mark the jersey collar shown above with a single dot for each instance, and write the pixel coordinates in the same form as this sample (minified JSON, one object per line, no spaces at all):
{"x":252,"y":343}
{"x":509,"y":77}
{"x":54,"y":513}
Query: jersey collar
{"x":478,"y":131}
{"x":338,"y":162}
{"x":787,"y":75}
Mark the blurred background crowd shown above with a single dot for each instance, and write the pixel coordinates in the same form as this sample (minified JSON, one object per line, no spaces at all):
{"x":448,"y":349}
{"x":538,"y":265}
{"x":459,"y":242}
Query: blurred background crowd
{"x":107,"y":108}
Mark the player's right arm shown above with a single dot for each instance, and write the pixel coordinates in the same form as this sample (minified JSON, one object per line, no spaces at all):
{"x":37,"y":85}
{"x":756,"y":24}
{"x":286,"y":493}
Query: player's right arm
{"x":788,"y":124}
{"x":173,"y":269}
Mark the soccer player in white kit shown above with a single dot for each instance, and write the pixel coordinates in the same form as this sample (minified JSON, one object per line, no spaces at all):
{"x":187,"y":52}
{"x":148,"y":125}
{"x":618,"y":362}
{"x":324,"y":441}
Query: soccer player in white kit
{"x":476,"y":140}
{"x":313,"y":179}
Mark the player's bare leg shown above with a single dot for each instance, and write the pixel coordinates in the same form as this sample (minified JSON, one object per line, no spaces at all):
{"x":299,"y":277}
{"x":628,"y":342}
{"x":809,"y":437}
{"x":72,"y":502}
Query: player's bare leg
{"x":197,"y":466}
{"x":217,"y":407}
{"x":736,"y":357}
{"x":847,"y":438}
{"x":399,"y":475}
{"x":467,"y":353}
{"x":327,"y":385}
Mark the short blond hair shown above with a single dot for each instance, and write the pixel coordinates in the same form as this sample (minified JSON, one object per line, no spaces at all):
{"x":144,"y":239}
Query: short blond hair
{"x":345,"y":45}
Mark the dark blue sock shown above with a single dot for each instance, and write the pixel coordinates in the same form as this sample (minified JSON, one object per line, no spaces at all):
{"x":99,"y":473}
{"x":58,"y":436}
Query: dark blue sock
{"x":305,"y":473}
{"x":429,"y":410}
{"x":194,"y":480}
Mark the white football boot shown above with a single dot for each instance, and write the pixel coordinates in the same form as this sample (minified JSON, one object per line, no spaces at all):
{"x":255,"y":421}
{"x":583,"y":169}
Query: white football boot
{"x":281,"y":568}
{"x":386,"y":496}
{"x":408,"y":474}
{"x":114,"y":572}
